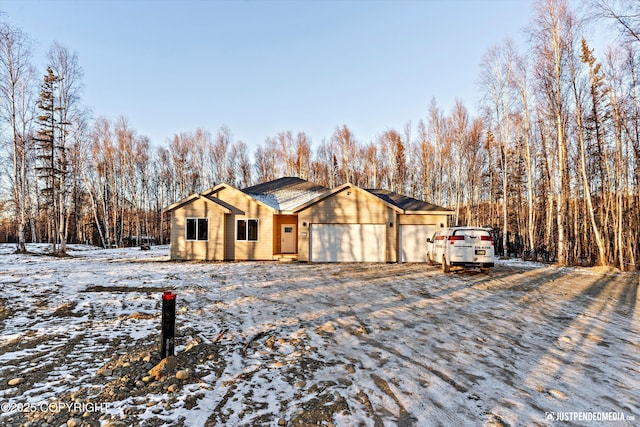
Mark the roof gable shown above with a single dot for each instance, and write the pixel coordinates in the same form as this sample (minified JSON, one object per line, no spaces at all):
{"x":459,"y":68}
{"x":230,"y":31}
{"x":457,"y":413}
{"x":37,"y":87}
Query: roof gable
{"x":345,"y":187}
{"x":229,"y":206}
{"x":222,"y":206}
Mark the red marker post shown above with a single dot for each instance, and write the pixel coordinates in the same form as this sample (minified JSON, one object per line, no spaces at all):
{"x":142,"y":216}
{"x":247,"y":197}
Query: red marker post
{"x":168,"y":323}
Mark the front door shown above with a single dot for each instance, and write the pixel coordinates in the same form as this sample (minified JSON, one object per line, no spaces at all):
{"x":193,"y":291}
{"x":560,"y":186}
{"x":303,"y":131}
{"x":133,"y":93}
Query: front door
{"x":288,"y":239}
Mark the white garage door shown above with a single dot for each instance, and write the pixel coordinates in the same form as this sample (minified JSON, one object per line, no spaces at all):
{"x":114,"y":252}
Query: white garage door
{"x":348,"y":242}
{"x":413,"y":242}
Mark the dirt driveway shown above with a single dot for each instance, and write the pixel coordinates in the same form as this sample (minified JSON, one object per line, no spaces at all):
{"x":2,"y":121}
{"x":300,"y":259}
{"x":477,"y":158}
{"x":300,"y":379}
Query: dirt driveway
{"x":315,"y":344}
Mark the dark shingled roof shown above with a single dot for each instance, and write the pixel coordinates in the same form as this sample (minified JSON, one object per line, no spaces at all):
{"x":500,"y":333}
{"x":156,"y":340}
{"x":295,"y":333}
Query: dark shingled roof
{"x":405,"y":202}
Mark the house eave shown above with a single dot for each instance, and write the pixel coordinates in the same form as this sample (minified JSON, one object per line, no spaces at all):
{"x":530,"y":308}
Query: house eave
{"x":180,"y":203}
{"x":193,"y":197}
{"x":434,"y":212}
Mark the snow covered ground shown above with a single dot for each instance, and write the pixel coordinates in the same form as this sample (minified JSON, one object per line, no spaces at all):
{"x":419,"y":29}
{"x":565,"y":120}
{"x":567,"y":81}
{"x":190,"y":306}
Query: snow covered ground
{"x":314,"y":344}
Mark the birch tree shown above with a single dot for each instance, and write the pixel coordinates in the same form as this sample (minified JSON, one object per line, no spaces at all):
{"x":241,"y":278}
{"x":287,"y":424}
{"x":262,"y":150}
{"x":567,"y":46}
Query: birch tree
{"x":369,"y":155}
{"x":346,"y":153}
{"x":16,"y":77}
{"x":218,"y":154}
{"x":625,"y":14}
{"x":303,"y":155}
{"x":497,"y":72}
{"x":459,"y":127}
{"x":551,"y":42}
{"x":520,"y":82}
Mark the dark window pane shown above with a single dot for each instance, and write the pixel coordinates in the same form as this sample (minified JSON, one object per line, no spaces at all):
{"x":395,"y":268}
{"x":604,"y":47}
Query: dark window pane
{"x":242,"y":230}
{"x":252,"y":231}
{"x":191,"y":229}
{"x":203,"y":228}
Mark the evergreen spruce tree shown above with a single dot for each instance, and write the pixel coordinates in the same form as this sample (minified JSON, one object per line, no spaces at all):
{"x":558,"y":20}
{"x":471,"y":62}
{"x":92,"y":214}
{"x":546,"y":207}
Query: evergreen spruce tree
{"x":49,"y":155}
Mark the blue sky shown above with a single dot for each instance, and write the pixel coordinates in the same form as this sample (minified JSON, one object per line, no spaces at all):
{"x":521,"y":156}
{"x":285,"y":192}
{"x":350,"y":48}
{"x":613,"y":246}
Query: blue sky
{"x":261,"y":67}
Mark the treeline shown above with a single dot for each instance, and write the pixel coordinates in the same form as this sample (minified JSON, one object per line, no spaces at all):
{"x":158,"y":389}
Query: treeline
{"x":551,"y":161}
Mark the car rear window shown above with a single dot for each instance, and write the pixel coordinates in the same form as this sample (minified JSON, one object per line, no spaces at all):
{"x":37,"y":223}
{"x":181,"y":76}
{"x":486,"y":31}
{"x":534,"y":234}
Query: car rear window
{"x":471,"y":233}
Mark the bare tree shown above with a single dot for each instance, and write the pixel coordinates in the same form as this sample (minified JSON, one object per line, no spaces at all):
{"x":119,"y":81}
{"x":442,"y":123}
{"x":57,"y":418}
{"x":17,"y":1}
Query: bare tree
{"x":436,"y":126}
{"x":303,"y":155}
{"x":552,"y":44}
{"x":497,"y":73}
{"x":459,"y":123}
{"x":219,"y":154}
{"x":16,"y":77}
{"x":520,"y":82}
{"x":369,"y":155}
{"x":425,"y":159}
{"x":326,"y":155}
{"x":624,"y":13}
{"x":473,"y":171}
{"x":625,"y":151}
{"x":243,"y":164}
{"x":267,"y":161}
{"x":181,"y":151}
{"x":346,"y":153}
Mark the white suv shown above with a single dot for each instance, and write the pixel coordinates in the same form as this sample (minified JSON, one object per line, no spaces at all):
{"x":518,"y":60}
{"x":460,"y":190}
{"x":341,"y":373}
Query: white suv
{"x":466,"y":247}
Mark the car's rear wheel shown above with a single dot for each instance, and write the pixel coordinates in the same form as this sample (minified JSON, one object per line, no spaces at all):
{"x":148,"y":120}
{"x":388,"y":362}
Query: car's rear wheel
{"x":445,"y":267}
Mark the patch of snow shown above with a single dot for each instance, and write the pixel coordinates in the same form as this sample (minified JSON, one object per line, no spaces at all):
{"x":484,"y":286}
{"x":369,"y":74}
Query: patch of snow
{"x":398,"y":343}
{"x":287,"y":199}
{"x":267,"y":199}
{"x":519,"y":262}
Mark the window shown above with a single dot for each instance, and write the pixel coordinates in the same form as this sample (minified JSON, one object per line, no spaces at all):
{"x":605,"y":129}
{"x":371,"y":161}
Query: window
{"x":197,"y":229}
{"x":247,"y":230}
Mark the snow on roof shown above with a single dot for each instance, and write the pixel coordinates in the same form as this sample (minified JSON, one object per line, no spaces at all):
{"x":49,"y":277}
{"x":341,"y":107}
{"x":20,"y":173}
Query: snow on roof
{"x":286,"y":194}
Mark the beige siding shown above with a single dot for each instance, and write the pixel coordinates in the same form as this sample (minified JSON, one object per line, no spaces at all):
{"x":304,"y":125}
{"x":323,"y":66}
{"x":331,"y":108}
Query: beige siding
{"x":350,"y":206}
{"x":211,"y":249}
{"x":230,"y":238}
{"x":239,"y":250}
{"x":426,"y":219}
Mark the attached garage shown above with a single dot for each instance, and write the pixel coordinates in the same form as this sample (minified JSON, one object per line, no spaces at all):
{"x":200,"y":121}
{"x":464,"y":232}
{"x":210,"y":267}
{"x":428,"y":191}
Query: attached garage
{"x":413,"y":242}
{"x":347,"y":242}
{"x":349,"y":224}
